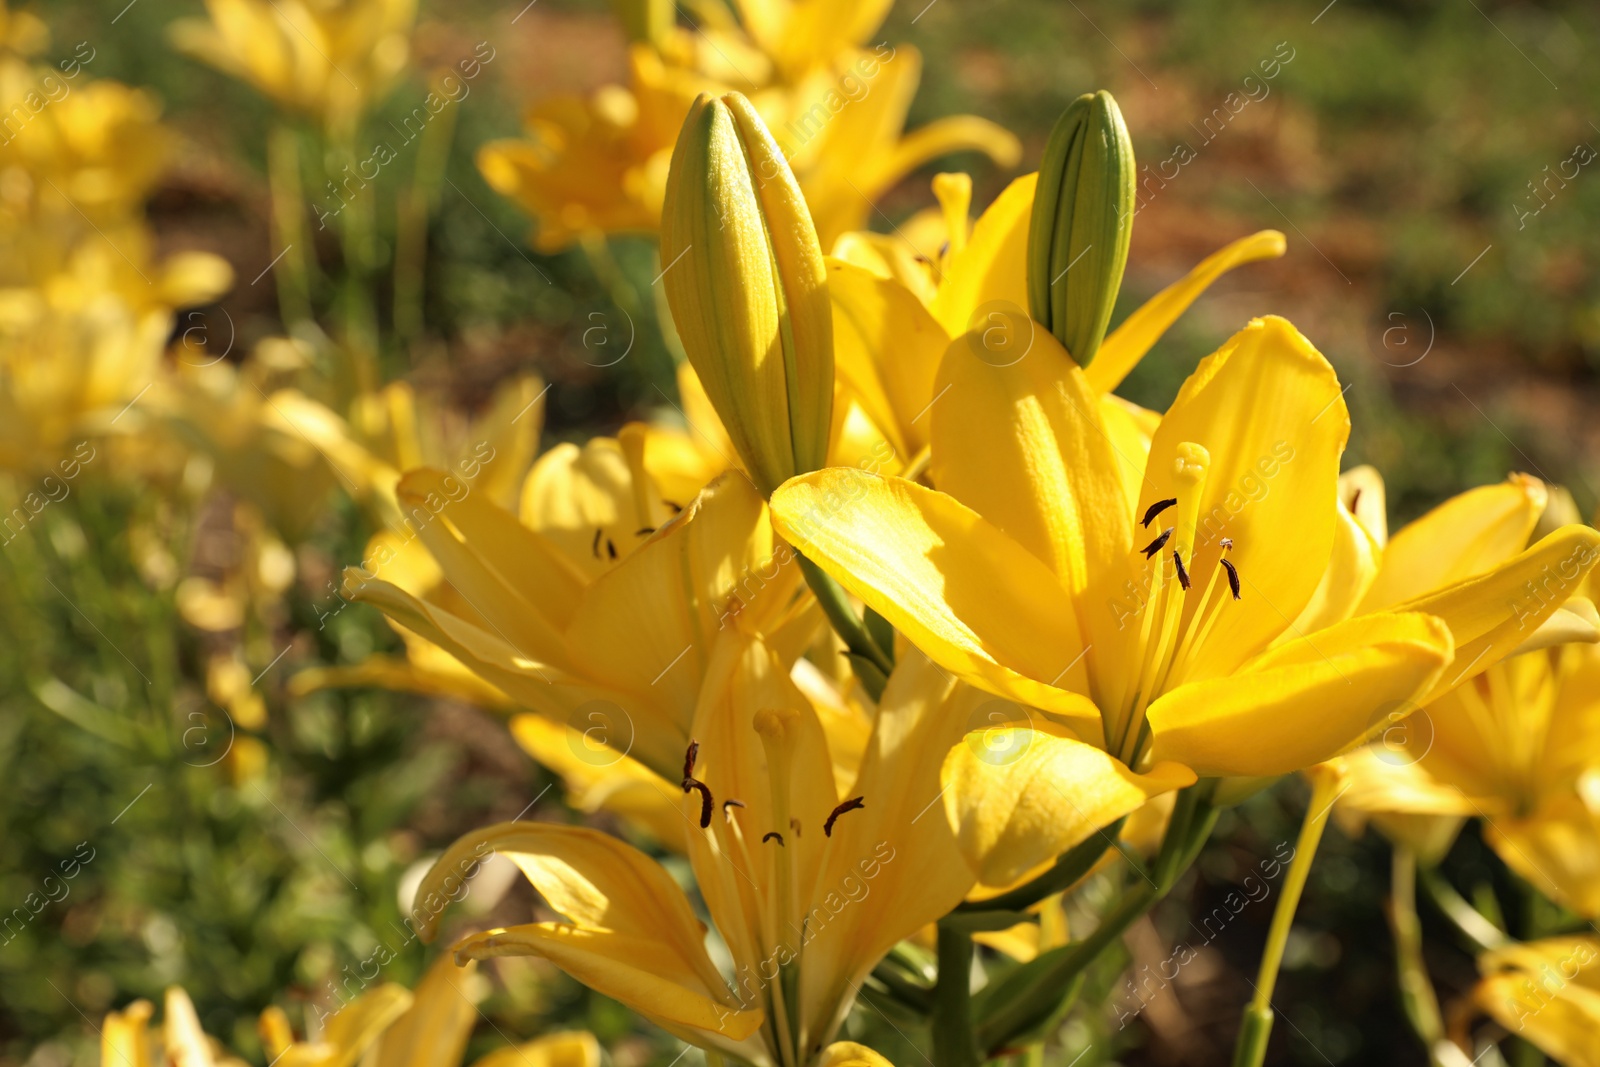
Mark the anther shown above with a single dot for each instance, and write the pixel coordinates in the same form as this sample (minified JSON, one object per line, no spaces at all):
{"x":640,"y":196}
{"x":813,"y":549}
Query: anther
{"x":689,"y":756}
{"x":676,"y":508}
{"x":1183,"y":575}
{"x":599,"y":531}
{"x":726,"y":804}
{"x":611,"y":548}
{"x":1226,"y":543}
{"x":644,"y":531}
{"x":853,"y":804}
{"x":770,"y":834}
{"x":794,"y":824}
{"x":1155,"y":509}
{"x":706,"y":803}
{"x":1233,"y":577}
{"x":1158,"y":544}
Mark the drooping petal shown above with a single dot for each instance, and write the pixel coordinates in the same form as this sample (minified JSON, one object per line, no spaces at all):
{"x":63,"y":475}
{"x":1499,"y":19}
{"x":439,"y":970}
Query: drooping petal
{"x":1024,"y":445}
{"x":1023,"y":797}
{"x":1302,"y":702}
{"x":1125,"y":346}
{"x":974,"y":600}
{"x":1465,"y":536}
{"x":1269,"y":410}
{"x":434,"y":1031}
{"x":1493,"y":613}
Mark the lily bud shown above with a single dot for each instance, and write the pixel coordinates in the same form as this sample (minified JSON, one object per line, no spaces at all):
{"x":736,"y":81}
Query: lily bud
{"x":748,"y":289}
{"x":1082,"y":223}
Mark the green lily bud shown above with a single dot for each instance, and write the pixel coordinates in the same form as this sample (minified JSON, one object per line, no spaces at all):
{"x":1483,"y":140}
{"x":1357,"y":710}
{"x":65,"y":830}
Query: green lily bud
{"x":748,"y":289}
{"x":1082,"y":223}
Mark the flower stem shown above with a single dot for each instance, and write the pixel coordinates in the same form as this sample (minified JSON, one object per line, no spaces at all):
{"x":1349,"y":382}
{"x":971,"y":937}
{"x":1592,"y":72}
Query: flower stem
{"x":1468,"y":921}
{"x":954,"y":1044}
{"x":1256,"y":1025}
{"x":291,"y":271}
{"x":1416,"y":988}
{"x":872,"y":664}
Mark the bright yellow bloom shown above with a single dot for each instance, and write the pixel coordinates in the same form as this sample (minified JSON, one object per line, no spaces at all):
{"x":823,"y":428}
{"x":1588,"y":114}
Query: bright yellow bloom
{"x":599,"y":165}
{"x":1547,"y":993}
{"x":331,"y":59}
{"x":125,"y":1037}
{"x":1519,"y":744}
{"x":807,"y":886}
{"x":390,"y":1026}
{"x":1162,"y":631}
{"x":900,"y":301}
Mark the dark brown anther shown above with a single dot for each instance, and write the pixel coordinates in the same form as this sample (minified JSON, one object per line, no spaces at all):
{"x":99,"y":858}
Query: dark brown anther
{"x":611,"y":548}
{"x":1183,"y":575}
{"x":644,"y":531}
{"x":853,"y":804}
{"x":1233,"y":577}
{"x":676,"y":508}
{"x":726,"y":804}
{"x":599,"y":532}
{"x":770,"y":835}
{"x":1155,"y":509}
{"x":706,"y":803}
{"x":690,"y":754}
{"x":794,"y":824}
{"x":1158,"y":544}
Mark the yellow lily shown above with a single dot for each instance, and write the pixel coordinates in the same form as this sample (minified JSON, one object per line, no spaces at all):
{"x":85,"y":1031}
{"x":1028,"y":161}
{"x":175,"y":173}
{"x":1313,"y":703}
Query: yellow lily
{"x":807,"y":889}
{"x":125,"y":1037}
{"x":899,"y":303}
{"x":535,"y":608}
{"x":1547,"y":993}
{"x":1029,"y":574}
{"x":332,"y":59}
{"x":390,"y":1026}
{"x":599,"y":165}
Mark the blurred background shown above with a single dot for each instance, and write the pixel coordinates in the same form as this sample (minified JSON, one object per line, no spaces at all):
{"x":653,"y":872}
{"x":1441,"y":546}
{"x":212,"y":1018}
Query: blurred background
{"x":1422,"y":158}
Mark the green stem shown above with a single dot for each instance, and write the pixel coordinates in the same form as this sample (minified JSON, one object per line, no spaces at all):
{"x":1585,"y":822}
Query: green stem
{"x":1256,"y":1026}
{"x":872,"y":663}
{"x":1069,"y":867}
{"x":292,"y":271}
{"x":1416,"y":989}
{"x":953,"y":1042}
{"x":416,"y":204}
{"x":1468,"y":921}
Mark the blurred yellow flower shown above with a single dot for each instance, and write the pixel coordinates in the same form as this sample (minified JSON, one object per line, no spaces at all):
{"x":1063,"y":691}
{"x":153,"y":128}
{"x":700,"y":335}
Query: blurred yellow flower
{"x":125,"y":1037}
{"x":1547,"y":993}
{"x":329,"y":59}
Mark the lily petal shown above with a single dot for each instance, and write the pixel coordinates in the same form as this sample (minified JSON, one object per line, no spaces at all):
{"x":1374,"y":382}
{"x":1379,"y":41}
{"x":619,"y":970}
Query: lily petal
{"x":436,"y":1028}
{"x":974,"y":600}
{"x":1019,"y":797}
{"x":1465,"y":536}
{"x":993,"y":267}
{"x":1128,"y":343}
{"x":572,"y":1048}
{"x":1302,"y":702}
{"x":850,"y":1054}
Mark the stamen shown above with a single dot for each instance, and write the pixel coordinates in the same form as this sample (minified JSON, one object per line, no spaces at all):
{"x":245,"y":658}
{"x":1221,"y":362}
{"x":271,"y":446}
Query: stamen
{"x":676,"y":507}
{"x":611,"y":548}
{"x":794,"y":824}
{"x":599,"y":531}
{"x":1183,"y":575}
{"x":726,"y":804}
{"x":1226,"y":543}
{"x":689,"y":756}
{"x":644,"y":531}
{"x":1158,"y":544}
{"x":706,"y":803}
{"x":1155,"y":509}
{"x":770,"y":834}
{"x":853,"y":804}
{"x":1233,"y":577}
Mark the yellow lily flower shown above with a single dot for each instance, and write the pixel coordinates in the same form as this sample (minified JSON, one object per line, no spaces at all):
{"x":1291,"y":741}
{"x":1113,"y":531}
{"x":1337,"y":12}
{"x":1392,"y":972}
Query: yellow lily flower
{"x":332,"y":59}
{"x":534,"y":608}
{"x":1029,"y":574}
{"x":125,"y":1037}
{"x":1547,"y":993}
{"x":390,"y":1026}
{"x":599,"y":165}
{"x":807,"y":890}
{"x":898,"y":304}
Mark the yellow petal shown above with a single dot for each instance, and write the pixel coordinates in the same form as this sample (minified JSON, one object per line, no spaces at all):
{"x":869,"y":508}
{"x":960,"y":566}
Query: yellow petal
{"x":573,"y":493}
{"x":353,"y":1029}
{"x":992,"y":269}
{"x":436,"y":1028}
{"x":185,"y":1042}
{"x":1557,"y":851}
{"x":974,"y":600}
{"x":1492,"y":614}
{"x":1019,"y":797}
{"x":1269,"y":410}
{"x":1023,"y":444}
{"x":1302,"y":702}
{"x":1575,"y":621}
{"x":1127,"y":344}
{"x":573,"y":1048}
{"x":1351,"y":569}
{"x":850,"y":1054}
{"x":1548,"y":993}
{"x":123,"y":1038}
{"x":1465,"y":536}
{"x":887,"y":349}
